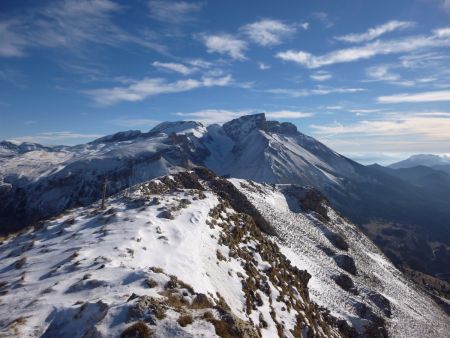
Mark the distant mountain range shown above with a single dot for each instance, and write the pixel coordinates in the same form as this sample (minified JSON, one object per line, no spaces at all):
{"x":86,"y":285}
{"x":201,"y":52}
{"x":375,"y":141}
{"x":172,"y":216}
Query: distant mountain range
{"x":428,"y":160}
{"x":37,"y":182}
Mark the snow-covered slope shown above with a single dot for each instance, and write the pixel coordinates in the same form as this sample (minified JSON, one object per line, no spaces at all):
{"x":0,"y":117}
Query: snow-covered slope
{"x":38,"y":182}
{"x":184,"y":255}
{"x":43,"y":182}
{"x":350,"y":275}
{"x":169,"y":257}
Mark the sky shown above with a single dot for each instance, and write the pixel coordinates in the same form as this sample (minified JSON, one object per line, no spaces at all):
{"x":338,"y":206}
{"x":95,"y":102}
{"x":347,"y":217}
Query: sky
{"x":370,"y":79}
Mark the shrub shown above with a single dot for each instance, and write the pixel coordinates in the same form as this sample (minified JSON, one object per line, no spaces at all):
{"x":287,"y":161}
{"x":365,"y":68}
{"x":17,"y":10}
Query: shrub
{"x":185,"y":320}
{"x":151,"y":283}
{"x":137,"y":330}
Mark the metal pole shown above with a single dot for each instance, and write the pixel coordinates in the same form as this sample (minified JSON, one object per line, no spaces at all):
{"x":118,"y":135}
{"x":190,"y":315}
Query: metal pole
{"x":104,"y":192}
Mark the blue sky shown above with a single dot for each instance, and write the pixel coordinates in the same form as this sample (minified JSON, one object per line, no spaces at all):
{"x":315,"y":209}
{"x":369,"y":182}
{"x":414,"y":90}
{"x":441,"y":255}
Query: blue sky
{"x":371,"y":79}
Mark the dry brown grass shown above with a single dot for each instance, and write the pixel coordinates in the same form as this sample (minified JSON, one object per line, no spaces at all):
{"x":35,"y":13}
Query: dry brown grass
{"x":137,"y":330}
{"x":185,"y":320}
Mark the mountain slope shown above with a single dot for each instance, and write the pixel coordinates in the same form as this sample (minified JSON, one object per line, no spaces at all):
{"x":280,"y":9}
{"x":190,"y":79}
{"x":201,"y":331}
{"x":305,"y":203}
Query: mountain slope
{"x":177,"y":257}
{"x":170,"y":256}
{"x":42,"y":183}
{"x":350,"y":275}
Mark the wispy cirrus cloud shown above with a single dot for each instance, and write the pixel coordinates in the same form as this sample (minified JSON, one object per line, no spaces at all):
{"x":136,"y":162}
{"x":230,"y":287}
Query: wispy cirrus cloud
{"x":385,"y":73}
{"x":57,"y":137}
{"x":268,"y":32}
{"x":324,"y":18}
{"x":174,"y":12}
{"x":68,"y":24}
{"x":375,"y":32}
{"x":225,"y":44}
{"x":288,"y":114}
{"x":175,"y":67}
{"x":432,"y":96}
{"x":320,"y":90}
{"x":12,"y":43}
{"x":263,"y":66}
{"x":390,"y":132}
{"x":321,"y":76}
{"x":138,"y":90}
{"x":382,"y":73}
{"x":210,"y":116}
{"x":445,"y":4}
{"x":134,"y":122}
{"x":439,"y":38}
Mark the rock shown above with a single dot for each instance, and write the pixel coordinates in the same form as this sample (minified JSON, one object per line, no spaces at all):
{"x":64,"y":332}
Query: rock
{"x":345,"y":282}
{"x":346,"y":263}
{"x":314,"y":200}
{"x":76,"y":322}
{"x":144,"y":309}
{"x":86,"y":284}
{"x":166,"y":214}
{"x":381,"y":302}
{"x":338,"y":241}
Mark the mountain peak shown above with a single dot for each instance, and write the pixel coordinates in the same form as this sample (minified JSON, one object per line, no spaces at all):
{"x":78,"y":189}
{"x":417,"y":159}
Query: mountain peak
{"x":181,"y":127}
{"x":421,"y":159}
{"x":118,"y":137}
{"x":243,"y":125}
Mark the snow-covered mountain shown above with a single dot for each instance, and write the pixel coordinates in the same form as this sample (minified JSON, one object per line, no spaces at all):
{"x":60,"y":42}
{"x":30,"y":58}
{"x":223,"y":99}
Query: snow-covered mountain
{"x":428,"y":160}
{"x":192,"y":255}
{"x":39,"y":182}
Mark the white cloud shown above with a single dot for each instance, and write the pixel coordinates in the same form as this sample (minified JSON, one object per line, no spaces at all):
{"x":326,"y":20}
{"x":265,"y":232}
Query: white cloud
{"x":57,"y":137}
{"x":375,"y":32}
{"x":395,"y":132}
{"x":200,"y":63}
{"x":134,"y":123}
{"x":225,"y":44}
{"x":321,"y":76}
{"x":320,"y":90}
{"x":324,"y":18}
{"x":263,"y":66}
{"x":175,"y":12}
{"x":305,"y":25}
{"x":142,"y":89}
{"x":287,"y":114}
{"x":268,"y":32}
{"x":362,"y":111}
{"x":11,"y":41}
{"x":382,"y":73}
{"x":366,"y":51}
{"x":445,"y":5}
{"x":175,"y":67}
{"x":422,"y":60}
{"x":68,"y":24}
{"x":210,"y":116}
{"x":434,"y":96}
{"x":442,"y":32}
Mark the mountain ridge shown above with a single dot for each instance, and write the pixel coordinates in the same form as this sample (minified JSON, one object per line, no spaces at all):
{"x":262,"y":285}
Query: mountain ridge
{"x":158,"y":257}
{"x":249,"y":147}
